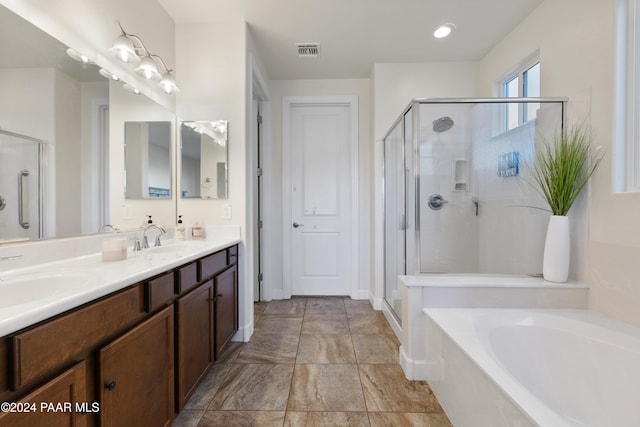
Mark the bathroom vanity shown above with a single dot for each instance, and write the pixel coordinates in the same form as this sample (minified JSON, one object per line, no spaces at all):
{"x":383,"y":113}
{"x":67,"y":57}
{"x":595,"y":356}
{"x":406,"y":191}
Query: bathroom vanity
{"x":133,"y":356}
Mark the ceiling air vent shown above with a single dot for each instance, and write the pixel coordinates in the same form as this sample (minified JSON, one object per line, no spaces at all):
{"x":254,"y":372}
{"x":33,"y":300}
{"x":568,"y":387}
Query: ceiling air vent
{"x":308,"y":50}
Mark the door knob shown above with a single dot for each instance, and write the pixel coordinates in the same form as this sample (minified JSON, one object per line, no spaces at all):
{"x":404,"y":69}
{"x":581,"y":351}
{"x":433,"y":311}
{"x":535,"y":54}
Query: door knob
{"x":296,"y":225}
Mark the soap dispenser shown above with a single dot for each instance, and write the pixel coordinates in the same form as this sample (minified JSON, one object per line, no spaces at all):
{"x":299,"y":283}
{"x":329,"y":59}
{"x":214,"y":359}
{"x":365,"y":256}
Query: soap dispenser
{"x":180,"y":229}
{"x":149,"y":221}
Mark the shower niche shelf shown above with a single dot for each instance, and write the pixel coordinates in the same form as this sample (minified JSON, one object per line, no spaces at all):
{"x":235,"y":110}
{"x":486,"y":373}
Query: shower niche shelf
{"x":460,"y":175}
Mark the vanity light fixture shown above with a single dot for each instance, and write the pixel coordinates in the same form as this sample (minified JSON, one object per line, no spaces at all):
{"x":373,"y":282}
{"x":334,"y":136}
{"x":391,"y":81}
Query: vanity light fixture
{"x":443,"y":31}
{"x":129,"y":48}
{"x":130,"y":88}
{"x":108,"y":74}
{"x":78,"y":56}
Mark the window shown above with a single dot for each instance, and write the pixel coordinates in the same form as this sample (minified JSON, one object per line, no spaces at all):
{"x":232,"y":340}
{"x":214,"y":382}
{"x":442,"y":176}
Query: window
{"x":522,"y":82}
{"x":627,"y":98}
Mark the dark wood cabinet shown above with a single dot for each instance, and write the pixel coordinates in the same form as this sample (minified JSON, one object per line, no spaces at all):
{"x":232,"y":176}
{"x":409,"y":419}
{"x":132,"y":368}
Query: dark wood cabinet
{"x":60,"y":402}
{"x":136,"y":375}
{"x":226,"y":308}
{"x":133,"y":357}
{"x":194,"y":328}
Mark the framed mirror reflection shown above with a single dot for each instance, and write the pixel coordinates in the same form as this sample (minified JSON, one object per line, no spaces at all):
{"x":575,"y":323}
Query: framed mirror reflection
{"x":204,"y":158}
{"x":147,"y":160}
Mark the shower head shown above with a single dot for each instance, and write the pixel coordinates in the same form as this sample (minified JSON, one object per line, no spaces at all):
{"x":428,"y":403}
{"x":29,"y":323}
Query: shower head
{"x":442,"y":124}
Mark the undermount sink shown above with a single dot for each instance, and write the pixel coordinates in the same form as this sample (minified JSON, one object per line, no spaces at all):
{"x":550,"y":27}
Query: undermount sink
{"x":177,"y":246}
{"x":29,"y":287}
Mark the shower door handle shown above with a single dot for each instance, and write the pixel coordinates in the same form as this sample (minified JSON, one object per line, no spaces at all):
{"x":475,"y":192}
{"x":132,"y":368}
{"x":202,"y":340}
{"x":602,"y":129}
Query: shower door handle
{"x":21,"y":176}
{"x":296,"y":225}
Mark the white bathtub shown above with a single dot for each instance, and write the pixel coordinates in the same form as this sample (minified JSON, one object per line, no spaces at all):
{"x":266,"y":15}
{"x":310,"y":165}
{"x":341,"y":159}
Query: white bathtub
{"x":470,"y":291}
{"x":548,"y":368}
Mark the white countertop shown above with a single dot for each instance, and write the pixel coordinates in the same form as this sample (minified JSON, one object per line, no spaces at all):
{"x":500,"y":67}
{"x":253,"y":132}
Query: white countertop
{"x":31,"y":294}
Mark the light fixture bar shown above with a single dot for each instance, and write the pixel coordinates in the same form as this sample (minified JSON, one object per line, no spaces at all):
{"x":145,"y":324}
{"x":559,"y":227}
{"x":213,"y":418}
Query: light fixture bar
{"x":130,"y":48}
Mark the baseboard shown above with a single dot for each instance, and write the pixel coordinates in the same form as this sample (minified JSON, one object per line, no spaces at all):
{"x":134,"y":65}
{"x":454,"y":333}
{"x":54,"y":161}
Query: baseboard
{"x":414,"y":370}
{"x":277,"y":294}
{"x":363,"y":294}
{"x":376,"y":303}
{"x":244,"y":333}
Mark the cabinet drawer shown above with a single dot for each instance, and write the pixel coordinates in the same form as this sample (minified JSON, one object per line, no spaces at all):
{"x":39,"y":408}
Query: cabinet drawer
{"x":39,"y":350}
{"x":160,"y":291}
{"x":233,"y":255}
{"x":212,"y":264}
{"x":187,"y":277}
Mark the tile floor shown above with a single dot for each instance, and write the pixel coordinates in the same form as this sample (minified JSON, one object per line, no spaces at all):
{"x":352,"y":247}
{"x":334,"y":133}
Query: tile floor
{"x":313,"y":362}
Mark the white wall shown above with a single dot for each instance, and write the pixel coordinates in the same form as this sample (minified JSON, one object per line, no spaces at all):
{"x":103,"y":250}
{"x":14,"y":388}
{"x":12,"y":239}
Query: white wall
{"x":67,"y":102}
{"x":328,"y":87}
{"x":576,"y":42}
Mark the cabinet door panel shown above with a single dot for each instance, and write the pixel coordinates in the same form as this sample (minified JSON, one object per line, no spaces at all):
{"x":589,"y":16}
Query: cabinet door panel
{"x":60,"y":396}
{"x":136,"y":375}
{"x":226,"y":308}
{"x":194,"y":318}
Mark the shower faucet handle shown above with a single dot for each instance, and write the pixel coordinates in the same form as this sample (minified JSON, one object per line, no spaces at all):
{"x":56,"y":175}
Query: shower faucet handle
{"x":436,"y":202}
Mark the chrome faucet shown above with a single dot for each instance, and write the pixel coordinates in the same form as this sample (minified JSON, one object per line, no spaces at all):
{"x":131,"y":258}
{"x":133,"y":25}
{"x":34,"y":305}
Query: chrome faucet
{"x":107,"y":228}
{"x":145,"y":242}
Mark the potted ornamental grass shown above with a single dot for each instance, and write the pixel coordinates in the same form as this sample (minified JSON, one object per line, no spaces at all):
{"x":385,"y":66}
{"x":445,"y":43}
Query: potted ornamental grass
{"x":561,"y":170}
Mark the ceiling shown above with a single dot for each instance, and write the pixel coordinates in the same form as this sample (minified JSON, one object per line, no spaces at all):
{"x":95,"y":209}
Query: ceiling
{"x":355,"y":34}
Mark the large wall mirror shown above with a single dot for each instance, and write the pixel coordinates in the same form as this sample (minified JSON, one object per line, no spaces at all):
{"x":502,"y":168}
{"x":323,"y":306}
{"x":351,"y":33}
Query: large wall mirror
{"x":61,"y":139}
{"x":204,"y":159}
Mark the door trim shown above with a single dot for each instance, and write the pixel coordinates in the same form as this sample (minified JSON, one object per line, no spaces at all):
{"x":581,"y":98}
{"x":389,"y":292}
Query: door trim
{"x":289,"y":102}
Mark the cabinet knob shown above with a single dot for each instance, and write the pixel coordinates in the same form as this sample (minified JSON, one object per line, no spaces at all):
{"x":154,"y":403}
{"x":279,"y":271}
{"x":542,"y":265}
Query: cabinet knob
{"x":111,"y":386}
{"x":219,"y":295}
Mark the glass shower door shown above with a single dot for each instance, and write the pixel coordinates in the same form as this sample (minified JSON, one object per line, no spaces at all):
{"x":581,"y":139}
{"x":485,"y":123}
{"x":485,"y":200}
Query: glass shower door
{"x":395,"y":220}
{"x":20,"y":204}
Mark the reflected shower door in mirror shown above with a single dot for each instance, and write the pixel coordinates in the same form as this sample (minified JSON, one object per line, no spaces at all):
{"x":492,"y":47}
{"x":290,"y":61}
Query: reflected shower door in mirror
{"x":48,"y":95}
{"x":204,"y":159}
{"x":147,"y":160}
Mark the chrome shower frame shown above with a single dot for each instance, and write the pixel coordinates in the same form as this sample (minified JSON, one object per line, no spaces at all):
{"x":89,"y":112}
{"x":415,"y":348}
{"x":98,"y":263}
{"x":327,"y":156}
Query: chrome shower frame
{"x":410,"y":223}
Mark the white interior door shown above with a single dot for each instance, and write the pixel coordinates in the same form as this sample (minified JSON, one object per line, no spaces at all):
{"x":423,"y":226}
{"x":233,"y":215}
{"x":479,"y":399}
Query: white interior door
{"x":321,"y":191}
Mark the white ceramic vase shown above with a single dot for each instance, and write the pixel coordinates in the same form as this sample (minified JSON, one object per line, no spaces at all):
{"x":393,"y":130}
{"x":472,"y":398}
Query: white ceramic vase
{"x":555,"y":262}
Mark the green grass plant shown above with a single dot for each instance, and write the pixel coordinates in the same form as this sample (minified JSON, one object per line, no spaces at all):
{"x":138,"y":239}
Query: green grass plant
{"x":563,"y":167}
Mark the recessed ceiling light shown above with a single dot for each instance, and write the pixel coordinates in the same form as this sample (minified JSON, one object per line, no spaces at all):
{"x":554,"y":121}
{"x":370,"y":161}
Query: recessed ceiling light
{"x":443,"y":31}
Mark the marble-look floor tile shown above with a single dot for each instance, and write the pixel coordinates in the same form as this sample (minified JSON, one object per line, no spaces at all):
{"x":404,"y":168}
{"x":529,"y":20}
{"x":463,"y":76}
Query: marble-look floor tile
{"x":188,"y":418}
{"x":326,"y":388}
{"x":325,"y":306}
{"x":230,"y":353}
{"x":325,"y":324}
{"x":387,"y":390}
{"x":242,"y":418}
{"x":269,"y":348}
{"x":258,"y":309}
{"x":288,"y":306}
{"x":358,"y":306}
{"x":278,"y":324}
{"x":326,"y":419}
{"x":374,"y":323}
{"x":208,"y":387}
{"x":380,"y":348}
{"x":326,"y":349}
{"x":254,"y":387}
{"x":400,"y":419}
